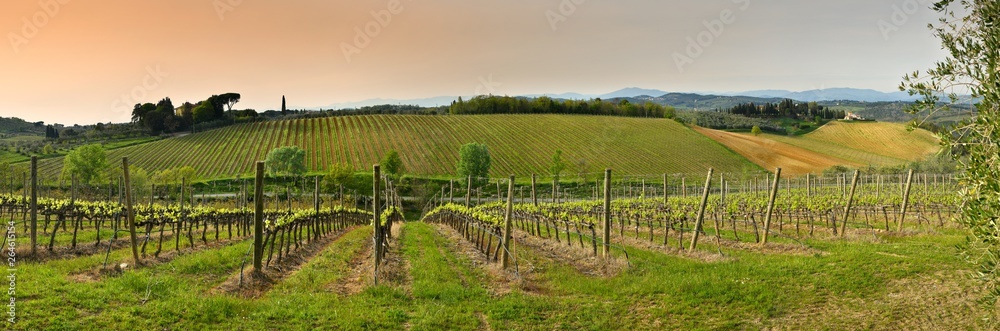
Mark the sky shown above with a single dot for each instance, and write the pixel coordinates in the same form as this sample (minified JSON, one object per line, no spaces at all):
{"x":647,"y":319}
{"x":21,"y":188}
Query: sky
{"x":73,"y":61}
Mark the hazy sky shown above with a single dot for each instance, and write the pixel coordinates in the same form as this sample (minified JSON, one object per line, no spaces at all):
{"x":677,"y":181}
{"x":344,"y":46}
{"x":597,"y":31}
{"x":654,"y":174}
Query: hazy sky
{"x":72,"y":61}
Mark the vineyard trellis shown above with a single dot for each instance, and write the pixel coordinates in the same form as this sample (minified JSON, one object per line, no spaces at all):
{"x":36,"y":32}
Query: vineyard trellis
{"x":81,"y":226}
{"x":738,"y":209}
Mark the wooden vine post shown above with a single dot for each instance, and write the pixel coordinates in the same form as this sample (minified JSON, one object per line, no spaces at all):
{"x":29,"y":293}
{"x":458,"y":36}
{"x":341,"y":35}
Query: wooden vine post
{"x":555,"y":183}
{"x":34,"y":205}
{"x":258,"y":219}
{"x":850,"y":202}
{"x":607,"y":213}
{"x":451,"y":191}
{"x":507,"y":223}
{"x":468,"y":192}
{"x":808,"y":185}
{"x":316,"y":196}
{"x":534,"y":198}
{"x":377,"y":228}
{"x":129,"y":213}
{"x":770,"y":205}
{"x":316,"y":223}
{"x":665,"y":189}
{"x":701,"y":210}
{"x":906,"y":200}
{"x":180,"y":219}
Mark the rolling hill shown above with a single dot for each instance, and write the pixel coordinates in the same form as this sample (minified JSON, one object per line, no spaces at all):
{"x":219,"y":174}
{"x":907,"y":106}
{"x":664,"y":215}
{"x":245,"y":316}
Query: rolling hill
{"x":428,"y":145}
{"x":771,"y":154}
{"x":856,"y":144}
{"x":867,"y":143}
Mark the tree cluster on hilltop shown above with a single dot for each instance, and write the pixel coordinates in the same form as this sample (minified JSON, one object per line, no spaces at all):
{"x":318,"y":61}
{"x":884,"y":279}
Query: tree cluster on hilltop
{"x":163,"y":117}
{"x":785,"y":109}
{"x":490,"y":104}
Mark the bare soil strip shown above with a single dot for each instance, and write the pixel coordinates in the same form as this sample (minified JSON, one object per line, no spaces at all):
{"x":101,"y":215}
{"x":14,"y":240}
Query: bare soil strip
{"x":255,"y":285}
{"x":395,"y":270}
{"x":581,"y":259}
{"x":499,"y":282}
{"x":64,"y":250}
{"x":115,"y":266}
{"x":359,"y":277}
{"x":484,"y":325}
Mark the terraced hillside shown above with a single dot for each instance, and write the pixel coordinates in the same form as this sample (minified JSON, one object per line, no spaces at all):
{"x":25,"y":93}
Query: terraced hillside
{"x":519,"y":144}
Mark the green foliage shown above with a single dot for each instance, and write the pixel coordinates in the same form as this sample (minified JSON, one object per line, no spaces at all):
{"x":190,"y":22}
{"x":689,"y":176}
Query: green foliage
{"x":6,"y":173}
{"x":339,"y":174}
{"x":669,"y":112}
{"x":203,"y":112}
{"x":755,"y":130}
{"x":175,"y":176}
{"x":392,"y":164}
{"x":288,"y":160}
{"x":88,"y":163}
{"x":544,"y":105}
{"x":968,"y":32}
{"x":142,"y":184}
{"x":558,"y":165}
{"x":725,"y":121}
{"x":787,"y":108}
{"x":474,"y":160}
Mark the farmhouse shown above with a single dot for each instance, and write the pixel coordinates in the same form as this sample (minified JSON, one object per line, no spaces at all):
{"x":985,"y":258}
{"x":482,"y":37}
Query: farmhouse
{"x":853,"y":117}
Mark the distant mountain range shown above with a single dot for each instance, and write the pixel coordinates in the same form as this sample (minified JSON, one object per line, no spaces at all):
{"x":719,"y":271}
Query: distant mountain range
{"x":830,"y":94}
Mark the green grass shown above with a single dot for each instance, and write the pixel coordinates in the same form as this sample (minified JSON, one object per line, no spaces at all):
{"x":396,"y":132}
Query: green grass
{"x":11,"y":157}
{"x":428,"y":145}
{"x":23,"y":139}
{"x":851,"y":285}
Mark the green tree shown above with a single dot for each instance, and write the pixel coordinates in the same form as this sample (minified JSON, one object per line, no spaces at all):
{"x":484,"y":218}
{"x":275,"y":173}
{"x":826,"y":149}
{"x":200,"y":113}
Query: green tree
{"x":968,"y":32}
{"x":87,"y":162}
{"x":474,"y":160}
{"x":288,"y":160}
{"x":142,"y":184}
{"x":175,"y":175}
{"x":583,"y":169}
{"x":669,"y":112}
{"x":392,"y":164}
{"x":558,"y":165}
{"x":187,"y":173}
{"x":755,"y":130}
{"x":339,"y":174}
{"x":48,"y":149}
{"x":229,"y":100}
{"x":203,"y":112}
